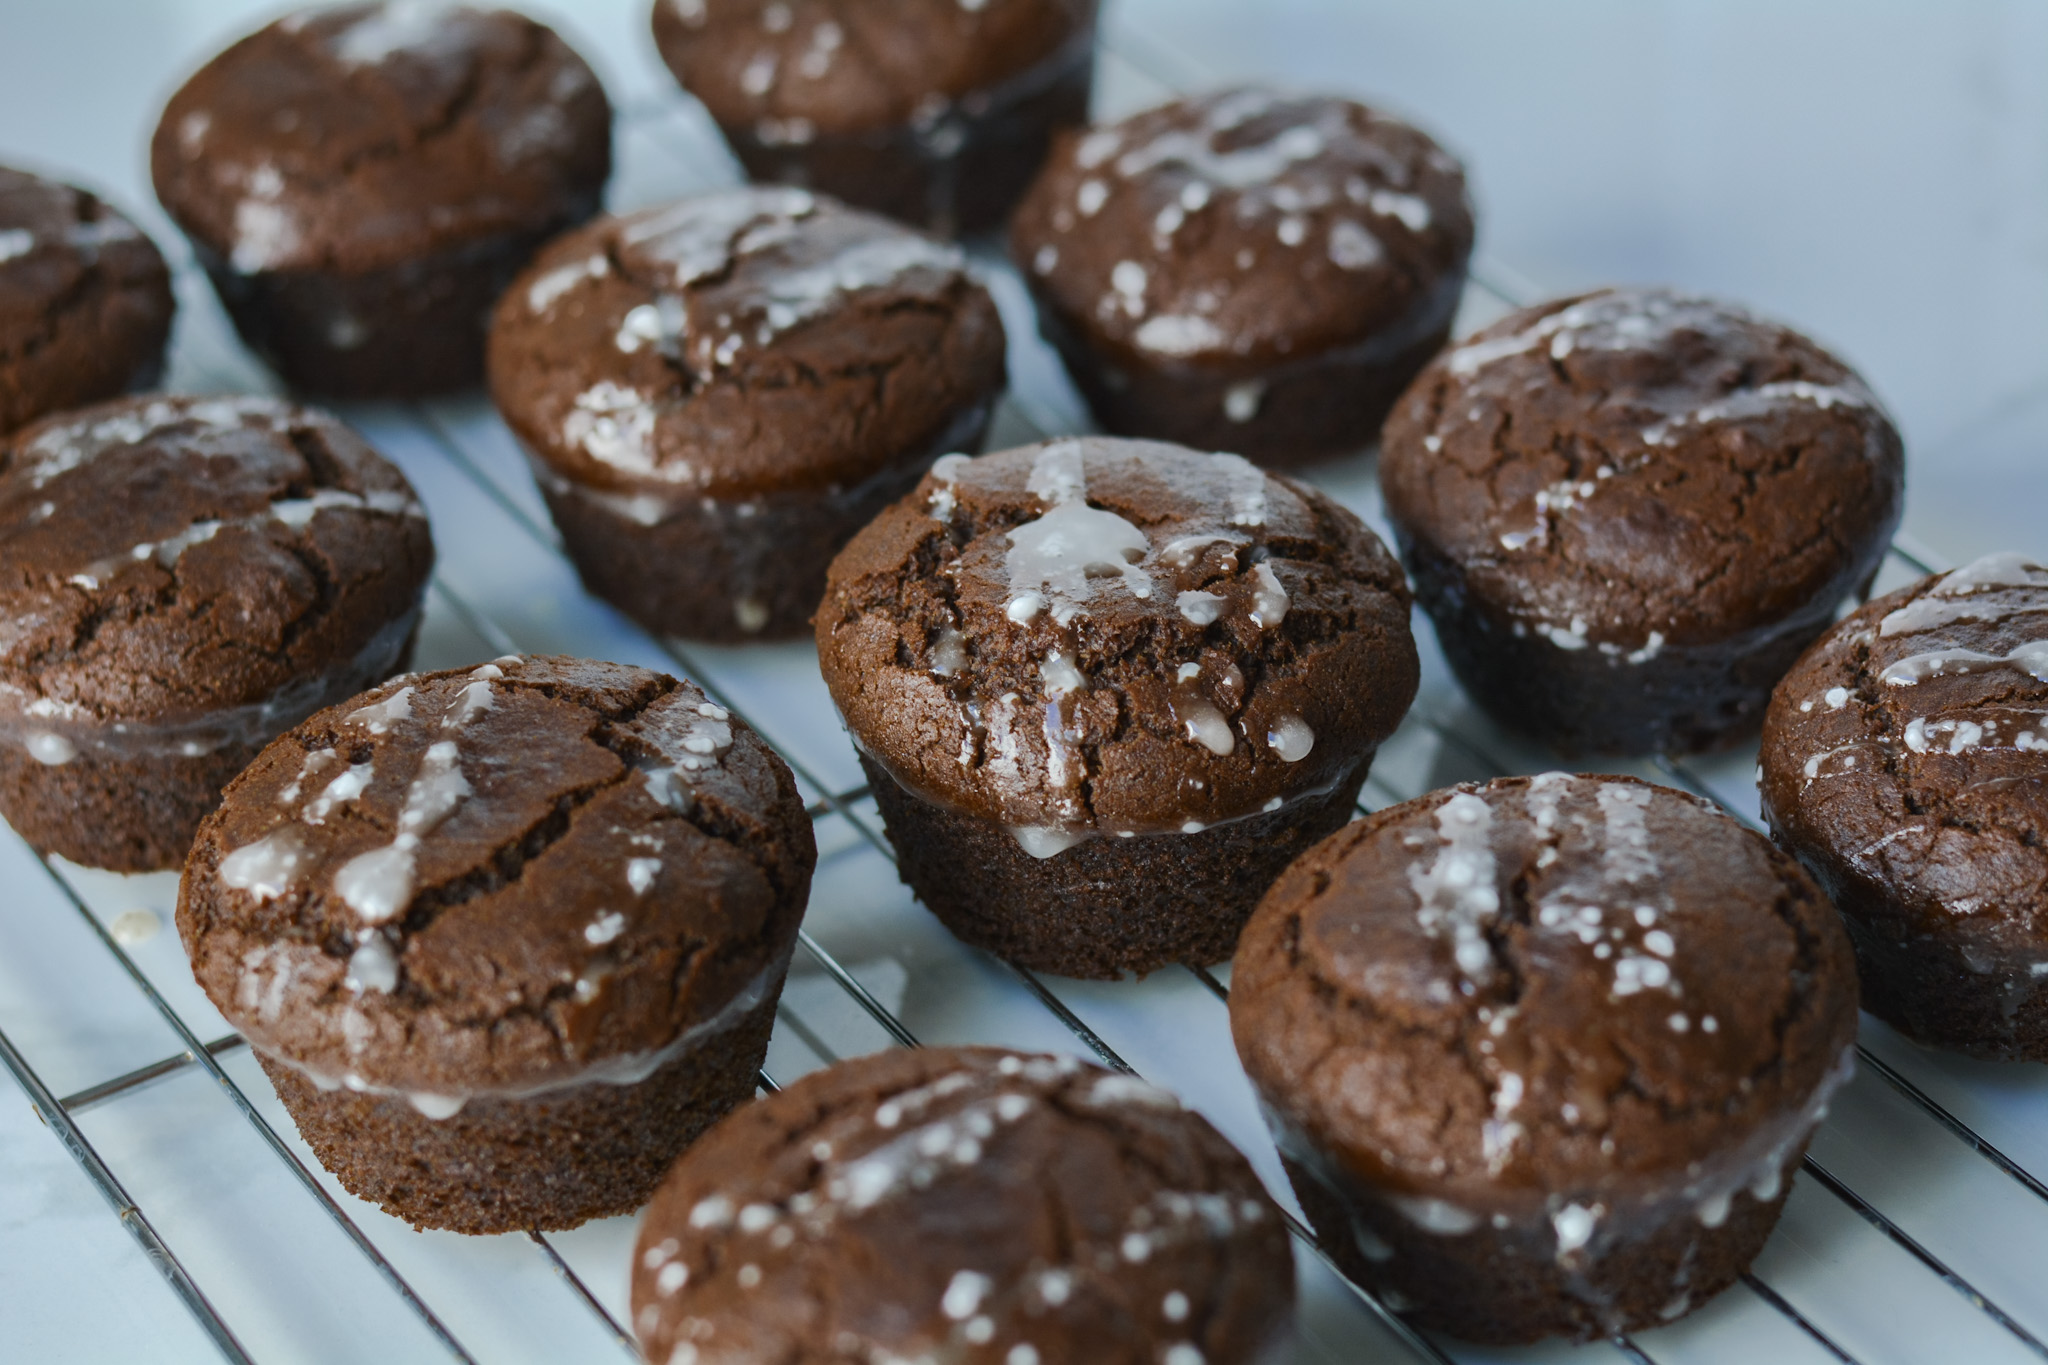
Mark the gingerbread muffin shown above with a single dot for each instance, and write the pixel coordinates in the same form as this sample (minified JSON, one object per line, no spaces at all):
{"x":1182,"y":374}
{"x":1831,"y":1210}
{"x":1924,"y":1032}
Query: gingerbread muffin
{"x":361,"y":182}
{"x":1106,"y":690}
{"x":717,"y":393}
{"x":505,"y":938}
{"x":1905,"y":763}
{"x":1627,"y":513}
{"x":935,"y":112}
{"x":1543,"y":1055}
{"x":85,"y":301}
{"x":182,"y":580}
{"x":1247,"y":270}
{"x":963,"y":1204}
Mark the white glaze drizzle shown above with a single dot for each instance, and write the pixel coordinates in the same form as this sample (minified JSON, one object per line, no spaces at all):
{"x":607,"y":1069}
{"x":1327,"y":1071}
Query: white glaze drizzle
{"x":1456,"y":890}
{"x":1762,"y":401}
{"x":378,"y":885}
{"x":2030,"y":658}
{"x":1975,"y":592}
{"x":292,"y":513}
{"x":61,"y":449}
{"x":389,"y":29}
{"x":1059,"y":557}
{"x":269,"y":867}
{"x":546,"y":291}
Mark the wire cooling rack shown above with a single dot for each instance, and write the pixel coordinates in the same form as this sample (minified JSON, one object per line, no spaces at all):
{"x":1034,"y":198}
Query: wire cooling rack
{"x":1919,"y":1230}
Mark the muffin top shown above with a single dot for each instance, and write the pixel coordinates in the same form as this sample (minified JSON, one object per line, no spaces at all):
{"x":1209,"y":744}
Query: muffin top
{"x":354,"y":138}
{"x":1100,"y":636}
{"x":85,"y":301}
{"x":212,"y":568}
{"x":1637,"y":467}
{"x":752,"y":340}
{"x":1234,"y":230}
{"x":962,"y":1204}
{"x":1907,"y":751}
{"x":499,"y":880}
{"x":795,"y":69}
{"x":1498,"y":997}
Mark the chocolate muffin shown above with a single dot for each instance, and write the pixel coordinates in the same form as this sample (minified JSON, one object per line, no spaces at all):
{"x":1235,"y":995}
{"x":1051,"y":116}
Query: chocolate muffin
{"x":1106,"y":690}
{"x":1543,"y":1055}
{"x":1247,"y":270}
{"x":362,"y":182}
{"x":718,"y":392}
{"x":962,"y":1204}
{"x":507,"y":938}
{"x":85,"y":301}
{"x":1628,"y":513}
{"x":936,"y":112}
{"x":1905,"y":763}
{"x":181,"y":580}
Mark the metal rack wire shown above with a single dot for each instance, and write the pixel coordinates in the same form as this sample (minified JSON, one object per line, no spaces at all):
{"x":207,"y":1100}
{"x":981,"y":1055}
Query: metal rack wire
{"x":1438,"y":721}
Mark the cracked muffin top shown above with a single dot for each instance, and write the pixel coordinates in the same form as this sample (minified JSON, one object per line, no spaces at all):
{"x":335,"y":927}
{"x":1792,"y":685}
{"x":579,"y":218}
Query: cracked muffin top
{"x":172,"y":560}
{"x":497,"y":880}
{"x":85,"y":301}
{"x":752,"y":340}
{"x":965,"y":1204}
{"x":1099,"y":636}
{"x":1637,"y":461}
{"x":1238,"y":229}
{"x":1579,"y":986}
{"x":1904,"y":759}
{"x":354,"y":138}
{"x":837,"y":67}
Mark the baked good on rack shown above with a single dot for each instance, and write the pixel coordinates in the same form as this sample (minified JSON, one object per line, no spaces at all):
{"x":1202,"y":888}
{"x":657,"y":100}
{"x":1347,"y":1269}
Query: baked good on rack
{"x":1543,"y":1055}
{"x":1905,"y":763}
{"x":717,"y":393}
{"x":1628,"y":512}
{"x":181,"y":580}
{"x":1106,"y":690}
{"x":1247,"y":270}
{"x":85,"y":301}
{"x":966,"y":1204}
{"x":362,"y":181}
{"x":936,"y":112}
{"x":504,"y":938}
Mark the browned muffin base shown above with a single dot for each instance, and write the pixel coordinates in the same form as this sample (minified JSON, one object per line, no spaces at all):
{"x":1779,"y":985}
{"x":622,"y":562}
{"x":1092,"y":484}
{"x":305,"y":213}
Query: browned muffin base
{"x":1308,"y":410}
{"x":410,"y":331}
{"x":1924,"y":986}
{"x":1106,"y":906}
{"x":686,"y":574}
{"x":1506,"y":1287}
{"x":548,"y":1163}
{"x":125,"y":815}
{"x":910,"y":177}
{"x":1682,"y":700}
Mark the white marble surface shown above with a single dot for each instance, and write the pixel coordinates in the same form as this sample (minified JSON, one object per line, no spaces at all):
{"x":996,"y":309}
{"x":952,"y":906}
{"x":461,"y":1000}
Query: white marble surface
{"x":1874,"y":172}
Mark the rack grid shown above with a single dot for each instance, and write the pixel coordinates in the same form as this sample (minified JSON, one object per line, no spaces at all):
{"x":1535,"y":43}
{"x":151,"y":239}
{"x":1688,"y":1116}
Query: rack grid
{"x":1914,"y":1235}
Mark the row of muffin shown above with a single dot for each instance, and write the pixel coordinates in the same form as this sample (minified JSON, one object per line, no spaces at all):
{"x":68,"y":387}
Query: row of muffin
{"x":1541,"y":1055}
{"x":1625,"y":464}
{"x":453,"y":888}
{"x":1596,"y":497}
